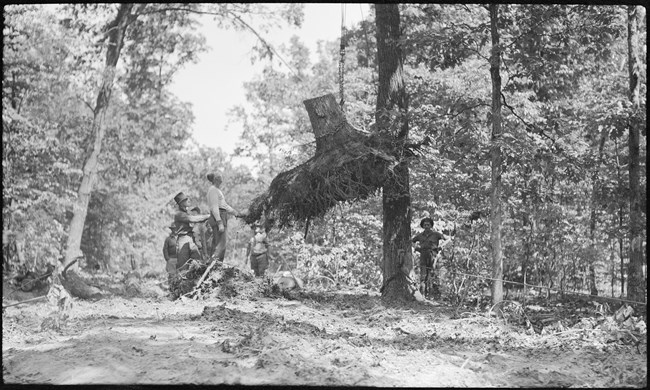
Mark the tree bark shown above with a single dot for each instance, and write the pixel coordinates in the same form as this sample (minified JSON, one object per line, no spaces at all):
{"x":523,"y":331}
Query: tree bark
{"x":327,"y":121}
{"x":593,"y":290}
{"x":636,"y":281}
{"x":116,"y":31}
{"x":620,"y":219}
{"x":397,"y":266}
{"x":496,"y":159}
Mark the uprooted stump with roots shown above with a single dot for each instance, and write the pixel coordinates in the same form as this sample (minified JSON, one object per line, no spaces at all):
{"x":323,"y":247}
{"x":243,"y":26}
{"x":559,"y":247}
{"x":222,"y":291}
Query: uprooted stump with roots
{"x":348,"y":165}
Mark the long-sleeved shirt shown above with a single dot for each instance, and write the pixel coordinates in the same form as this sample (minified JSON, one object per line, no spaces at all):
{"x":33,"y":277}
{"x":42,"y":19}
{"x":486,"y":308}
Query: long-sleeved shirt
{"x":182,"y":220}
{"x":217,"y":201}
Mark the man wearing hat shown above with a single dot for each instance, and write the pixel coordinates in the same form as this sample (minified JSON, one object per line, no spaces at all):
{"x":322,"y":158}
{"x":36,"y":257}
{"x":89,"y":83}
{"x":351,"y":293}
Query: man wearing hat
{"x":169,"y":251}
{"x":427,"y":244}
{"x":182,"y":219}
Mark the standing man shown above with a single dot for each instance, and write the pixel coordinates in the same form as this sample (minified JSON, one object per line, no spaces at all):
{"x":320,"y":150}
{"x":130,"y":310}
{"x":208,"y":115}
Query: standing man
{"x":219,"y":211}
{"x":169,"y":252}
{"x":185,"y":245}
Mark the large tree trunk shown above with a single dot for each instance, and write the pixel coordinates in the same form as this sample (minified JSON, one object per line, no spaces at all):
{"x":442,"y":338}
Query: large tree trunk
{"x":636,"y":282}
{"x":115,"y":32}
{"x":399,"y":279}
{"x":495,"y":192}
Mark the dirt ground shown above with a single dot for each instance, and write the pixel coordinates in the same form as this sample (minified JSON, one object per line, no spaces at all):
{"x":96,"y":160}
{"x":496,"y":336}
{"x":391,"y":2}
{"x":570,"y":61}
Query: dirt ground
{"x":334,"y":338}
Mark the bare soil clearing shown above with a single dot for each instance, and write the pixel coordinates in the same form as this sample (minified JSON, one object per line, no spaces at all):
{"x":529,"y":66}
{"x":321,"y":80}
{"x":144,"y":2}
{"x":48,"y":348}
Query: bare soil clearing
{"x":329,"y":338}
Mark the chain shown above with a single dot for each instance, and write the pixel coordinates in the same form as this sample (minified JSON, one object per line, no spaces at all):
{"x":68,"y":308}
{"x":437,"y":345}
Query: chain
{"x":342,"y":61}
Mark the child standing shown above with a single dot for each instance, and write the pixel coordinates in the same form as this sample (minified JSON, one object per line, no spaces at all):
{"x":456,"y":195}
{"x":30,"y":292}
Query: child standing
{"x":427,"y":244}
{"x":258,"y":251}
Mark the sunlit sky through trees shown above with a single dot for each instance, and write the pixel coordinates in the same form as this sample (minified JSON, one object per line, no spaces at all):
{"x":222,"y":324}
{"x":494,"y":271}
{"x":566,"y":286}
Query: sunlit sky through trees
{"x":215,"y":83}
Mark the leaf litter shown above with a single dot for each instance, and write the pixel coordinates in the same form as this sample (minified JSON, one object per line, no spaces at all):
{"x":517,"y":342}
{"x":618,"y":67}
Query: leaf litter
{"x":334,"y":338}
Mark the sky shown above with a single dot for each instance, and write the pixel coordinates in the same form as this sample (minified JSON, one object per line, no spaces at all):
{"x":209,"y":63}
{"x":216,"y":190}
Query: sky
{"x":215,"y":83}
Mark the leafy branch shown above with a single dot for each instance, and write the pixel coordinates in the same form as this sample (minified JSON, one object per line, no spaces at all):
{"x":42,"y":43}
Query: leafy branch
{"x":530,"y":127}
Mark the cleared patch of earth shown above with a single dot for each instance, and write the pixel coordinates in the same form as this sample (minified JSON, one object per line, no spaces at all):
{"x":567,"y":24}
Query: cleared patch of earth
{"x":330,"y":338}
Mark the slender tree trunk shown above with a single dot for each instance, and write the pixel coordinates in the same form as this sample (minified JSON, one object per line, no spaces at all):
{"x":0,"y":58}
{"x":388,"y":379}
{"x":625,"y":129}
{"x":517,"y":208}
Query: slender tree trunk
{"x":116,"y":31}
{"x":636,"y":281}
{"x":620,"y":218}
{"x":593,"y":290}
{"x":495,"y":193}
{"x":399,"y":279}
{"x":612,"y":256}
{"x":621,"y":254}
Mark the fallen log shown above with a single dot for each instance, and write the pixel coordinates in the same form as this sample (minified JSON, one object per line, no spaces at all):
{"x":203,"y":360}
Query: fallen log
{"x":42,"y":297}
{"x":78,"y":288}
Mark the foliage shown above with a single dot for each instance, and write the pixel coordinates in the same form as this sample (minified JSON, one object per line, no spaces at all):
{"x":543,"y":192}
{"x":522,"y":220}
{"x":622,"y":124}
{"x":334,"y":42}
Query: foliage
{"x":53,"y":58}
{"x":566,"y":119}
{"x":342,"y":248}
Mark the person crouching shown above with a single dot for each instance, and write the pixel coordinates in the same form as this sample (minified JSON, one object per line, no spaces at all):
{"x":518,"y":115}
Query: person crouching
{"x":185,"y":245}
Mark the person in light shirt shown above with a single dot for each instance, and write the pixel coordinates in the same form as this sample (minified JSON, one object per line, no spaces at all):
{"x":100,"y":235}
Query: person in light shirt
{"x":257,"y":250}
{"x":219,"y":211}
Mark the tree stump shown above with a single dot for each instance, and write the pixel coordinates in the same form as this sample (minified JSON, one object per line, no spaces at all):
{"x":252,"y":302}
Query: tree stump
{"x":348,"y":165}
{"x":327,"y":121}
{"x":132,"y":284}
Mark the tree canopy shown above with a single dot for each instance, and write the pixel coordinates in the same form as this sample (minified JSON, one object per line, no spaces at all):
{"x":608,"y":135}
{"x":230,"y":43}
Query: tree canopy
{"x":566,"y":120}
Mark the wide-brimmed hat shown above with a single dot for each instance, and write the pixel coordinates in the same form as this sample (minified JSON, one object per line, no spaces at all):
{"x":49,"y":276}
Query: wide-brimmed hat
{"x":426,"y":219}
{"x":180,"y":197}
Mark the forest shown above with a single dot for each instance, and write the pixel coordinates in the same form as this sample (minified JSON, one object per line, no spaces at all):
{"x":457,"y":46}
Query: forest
{"x":520,"y":129}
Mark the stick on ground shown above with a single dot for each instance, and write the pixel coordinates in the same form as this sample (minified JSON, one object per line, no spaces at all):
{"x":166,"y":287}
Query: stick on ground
{"x":198,"y":285}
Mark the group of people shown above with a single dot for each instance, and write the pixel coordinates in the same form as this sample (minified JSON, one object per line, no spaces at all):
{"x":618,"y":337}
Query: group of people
{"x":191,"y":238}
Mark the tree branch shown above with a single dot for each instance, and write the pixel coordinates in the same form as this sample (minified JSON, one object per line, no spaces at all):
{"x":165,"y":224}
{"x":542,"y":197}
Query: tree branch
{"x":237,"y":18}
{"x":265,"y":43}
{"x":468,"y":108}
{"x":529,"y":126}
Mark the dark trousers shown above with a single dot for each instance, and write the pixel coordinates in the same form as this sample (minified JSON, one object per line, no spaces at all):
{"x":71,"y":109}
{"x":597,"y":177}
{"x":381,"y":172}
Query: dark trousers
{"x":186,"y":249}
{"x":171,"y":266}
{"x":219,"y":238}
{"x":428,"y":275}
{"x":259,"y":263}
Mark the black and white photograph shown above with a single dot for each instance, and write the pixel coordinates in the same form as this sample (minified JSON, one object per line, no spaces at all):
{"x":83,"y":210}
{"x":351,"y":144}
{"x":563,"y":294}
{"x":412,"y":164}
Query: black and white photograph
{"x":324,"y":194}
